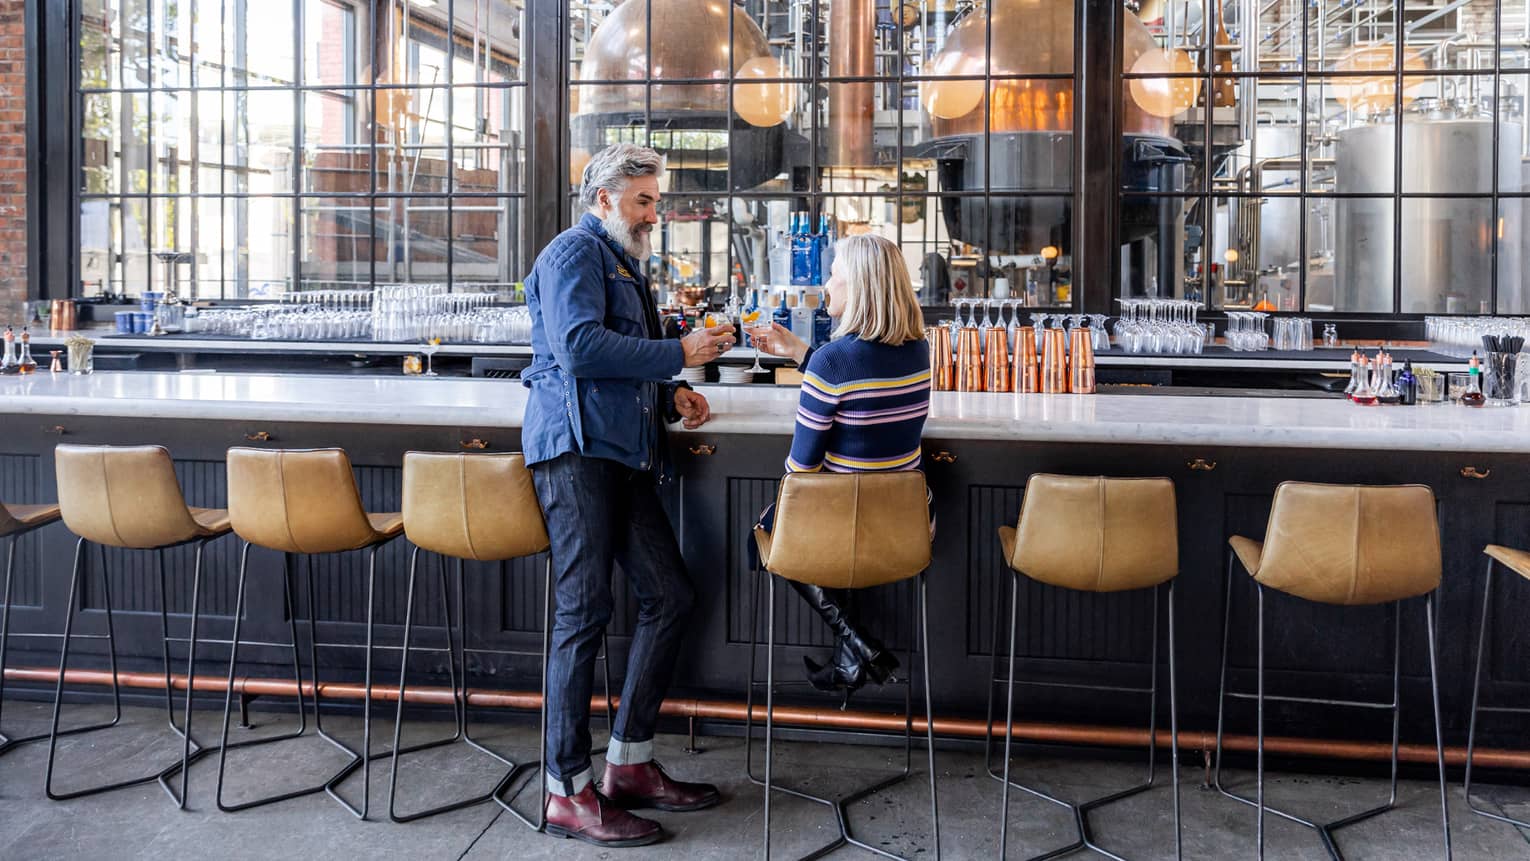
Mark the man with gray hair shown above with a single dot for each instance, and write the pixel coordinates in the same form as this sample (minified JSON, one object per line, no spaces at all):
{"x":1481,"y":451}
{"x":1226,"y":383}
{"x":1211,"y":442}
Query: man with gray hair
{"x":601,"y":393}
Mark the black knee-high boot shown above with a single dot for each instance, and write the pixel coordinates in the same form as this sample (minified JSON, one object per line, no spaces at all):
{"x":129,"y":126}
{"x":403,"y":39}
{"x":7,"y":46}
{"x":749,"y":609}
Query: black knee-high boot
{"x":857,"y":657}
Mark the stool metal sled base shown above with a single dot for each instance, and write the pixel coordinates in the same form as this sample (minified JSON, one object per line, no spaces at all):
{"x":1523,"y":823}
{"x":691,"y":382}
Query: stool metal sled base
{"x":192,"y":750}
{"x":515,"y":771}
{"x":1327,"y":831}
{"x":1082,"y":809}
{"x":357,"y":760}
{"x":839,"y":805}
{"x":1477,"y":707}
{"x":9,"y":743}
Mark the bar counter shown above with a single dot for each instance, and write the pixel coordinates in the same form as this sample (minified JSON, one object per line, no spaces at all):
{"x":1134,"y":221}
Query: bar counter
{"x":1226,"y":455}
{"x":1121,"y":419}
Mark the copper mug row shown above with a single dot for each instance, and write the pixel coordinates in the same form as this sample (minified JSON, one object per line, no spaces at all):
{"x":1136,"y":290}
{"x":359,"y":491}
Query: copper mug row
{"x":984,"y":364}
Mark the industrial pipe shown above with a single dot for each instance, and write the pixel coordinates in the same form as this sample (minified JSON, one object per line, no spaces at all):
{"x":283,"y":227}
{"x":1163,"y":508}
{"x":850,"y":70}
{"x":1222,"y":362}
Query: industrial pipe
{"x":815,"y":718}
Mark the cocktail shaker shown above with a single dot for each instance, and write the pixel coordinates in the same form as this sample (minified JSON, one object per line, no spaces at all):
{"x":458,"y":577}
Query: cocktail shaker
{"x":1027,"y":372}
{"x":1081,"y":364}
{"x":969,"y":360}
{"x":942,"y":371}
{"x":1054,"y":362}
{"x":996,"y":361}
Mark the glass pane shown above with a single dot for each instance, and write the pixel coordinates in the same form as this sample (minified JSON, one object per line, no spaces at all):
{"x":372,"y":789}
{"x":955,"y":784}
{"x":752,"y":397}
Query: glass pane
{"x":1155,"y":235}
{"x":1253,"y":256}
{"x":333,"y":45}
{"x":99,"y":128}
{"x":263,"y":251}
{"x":99,"y":49}
{"x":262,"y":138}
{"x":336,"y":155}
{"x":1516,"y":39}
{"x":485,"y":252}
{"x":1513,"y":256}
{"x":1514,"y":143}
{"x":1452,"y":154}
{"x":172,"y":44}
{"x":131,"y":245}
{"x":133,"y":31}
{"x":134,"y":146}
{"x":1269,"y":162}
{"x":100,"y":237}
{"x":489,"y":146}
{"x":260,"y":46}
{"x":488,"y":41}
{"x":1342,"y":35}
{"x":1350,"y":152}
{"x":413,"y":235}
{"x":174,"y":143}
{"x":1447,"y":246}
{"x":1444,"y":35}
{"x":1363,"y":253}
{"x":337,"y":243}
{"x":209,"y":42}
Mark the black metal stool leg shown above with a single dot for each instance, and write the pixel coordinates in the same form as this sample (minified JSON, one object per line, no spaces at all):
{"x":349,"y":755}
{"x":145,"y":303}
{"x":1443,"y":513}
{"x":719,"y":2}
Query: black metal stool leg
{"x":289,"y":598}
{"x":1478,"y":708}
{"x":1439,"y":722}
{"x":537,"y":769}
{"x":993,"y":682}
{"x":1179,"y":841}
{"x":188,"y":756}
{"x":929,"y":707}
{"x":458,"y":698}
{"x":366,"y":756}
{"x":111,"y":641}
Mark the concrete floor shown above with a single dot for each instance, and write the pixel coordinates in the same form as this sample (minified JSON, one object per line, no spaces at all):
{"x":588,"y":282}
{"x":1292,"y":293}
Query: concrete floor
{"x":140,"y":822}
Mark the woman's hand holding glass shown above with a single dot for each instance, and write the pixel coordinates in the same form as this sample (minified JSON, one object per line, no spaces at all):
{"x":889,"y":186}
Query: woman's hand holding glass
{"x":778,"y":340}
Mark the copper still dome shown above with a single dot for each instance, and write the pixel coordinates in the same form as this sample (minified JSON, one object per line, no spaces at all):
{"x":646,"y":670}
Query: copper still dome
{"x":689,"y":41}
{"x":1030,"y":37}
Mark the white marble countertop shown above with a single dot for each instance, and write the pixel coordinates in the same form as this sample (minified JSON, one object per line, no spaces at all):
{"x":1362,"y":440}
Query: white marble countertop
{"x":1129,"y":419}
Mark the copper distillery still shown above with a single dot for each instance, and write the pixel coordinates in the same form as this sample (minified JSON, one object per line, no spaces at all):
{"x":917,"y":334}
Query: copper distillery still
{"x":689,"y":40}
{"x":1031,"y":129}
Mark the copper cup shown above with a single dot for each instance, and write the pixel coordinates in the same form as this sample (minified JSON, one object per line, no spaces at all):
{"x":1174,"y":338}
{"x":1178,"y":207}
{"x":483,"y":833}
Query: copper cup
{"x":62,"y":315}
{"x":969,"y":361}
{"x":996,"y":376}
{"x":1026,"y":376}
{"x":942,"y":371}
{"x":1054,"y":362}
{"x":1081,"y":363}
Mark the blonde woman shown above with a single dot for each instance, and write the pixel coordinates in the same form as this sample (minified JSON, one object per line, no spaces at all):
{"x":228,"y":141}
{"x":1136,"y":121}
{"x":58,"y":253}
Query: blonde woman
{"x":864,"y":399}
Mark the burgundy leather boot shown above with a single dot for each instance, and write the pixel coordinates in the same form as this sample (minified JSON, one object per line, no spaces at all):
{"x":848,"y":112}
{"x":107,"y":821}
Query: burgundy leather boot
{"x":588,"y":816}
{"x":646,"y":785}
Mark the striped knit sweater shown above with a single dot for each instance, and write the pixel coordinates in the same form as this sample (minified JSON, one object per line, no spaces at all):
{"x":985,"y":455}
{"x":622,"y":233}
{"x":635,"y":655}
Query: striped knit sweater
{"x":862,"y":408}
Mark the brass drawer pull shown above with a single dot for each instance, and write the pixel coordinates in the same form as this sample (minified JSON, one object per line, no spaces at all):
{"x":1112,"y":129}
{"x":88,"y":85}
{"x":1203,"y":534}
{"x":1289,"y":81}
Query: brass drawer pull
{"x":475,"y":443}
{"x":258,"y":436}
{"x":702,"y":449}
{"x":1474,"y":472}
{"x":1200,"y":464}
{"x":943,"y":456}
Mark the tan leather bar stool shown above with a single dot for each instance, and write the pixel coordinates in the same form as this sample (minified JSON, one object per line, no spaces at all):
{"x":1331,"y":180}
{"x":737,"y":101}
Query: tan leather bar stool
{"x":1517,"y":561}
{"x":129,"y":497}
{"x":16,"y":521}
{"x":1100,"y":535}
{"x":845,"y":531}
{"x":483,"y":508}
{"x":304,"y":502}
{"x":1346,"y":545}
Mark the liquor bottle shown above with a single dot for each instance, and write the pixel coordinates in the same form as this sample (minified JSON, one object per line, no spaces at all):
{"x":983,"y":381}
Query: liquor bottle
{"x":826,"y":240}
{"x":823,"y":325}
{"x":1473,"y":396}
{"x":1386,"y":392}
{"x":802,"y":317}
{"x":1407,"y":385}
{"x":783,"y":314}
{"x":1354,"y":373}
{"x":1363,"y":395}
{"x":802,"y":252}
{"x":8,"y":363}
{"x":25,"y":363}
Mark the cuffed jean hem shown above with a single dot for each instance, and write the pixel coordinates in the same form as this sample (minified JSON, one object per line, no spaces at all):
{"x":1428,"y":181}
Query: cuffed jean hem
{"x":569,"y":786}
{"x":620,"y":752}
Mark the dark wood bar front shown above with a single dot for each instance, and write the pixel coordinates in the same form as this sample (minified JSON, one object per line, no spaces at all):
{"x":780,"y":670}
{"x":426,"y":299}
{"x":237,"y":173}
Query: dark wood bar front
{"x":724,"y":477}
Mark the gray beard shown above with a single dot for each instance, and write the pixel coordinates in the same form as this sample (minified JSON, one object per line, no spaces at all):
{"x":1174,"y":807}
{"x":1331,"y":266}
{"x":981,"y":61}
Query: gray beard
{"x":638,"y":244}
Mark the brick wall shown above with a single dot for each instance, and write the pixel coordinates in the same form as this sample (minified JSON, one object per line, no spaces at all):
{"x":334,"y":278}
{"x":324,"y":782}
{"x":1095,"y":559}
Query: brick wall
{"x":13,"y":164}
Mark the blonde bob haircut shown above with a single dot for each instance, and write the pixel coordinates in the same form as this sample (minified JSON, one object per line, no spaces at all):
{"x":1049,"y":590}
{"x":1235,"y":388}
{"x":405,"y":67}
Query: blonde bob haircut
{"x":880,"y":304}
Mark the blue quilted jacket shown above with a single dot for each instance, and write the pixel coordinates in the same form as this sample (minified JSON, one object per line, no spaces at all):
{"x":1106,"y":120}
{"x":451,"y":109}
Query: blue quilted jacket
{"x":600,"y":373}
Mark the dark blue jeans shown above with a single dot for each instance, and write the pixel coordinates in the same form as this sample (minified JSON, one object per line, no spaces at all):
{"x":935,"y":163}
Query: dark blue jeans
{"x":600,"y":512}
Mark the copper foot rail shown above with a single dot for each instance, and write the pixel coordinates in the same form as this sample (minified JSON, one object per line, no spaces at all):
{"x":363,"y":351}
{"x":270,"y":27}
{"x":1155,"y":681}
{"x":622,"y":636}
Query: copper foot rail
{"x":817,"y":718}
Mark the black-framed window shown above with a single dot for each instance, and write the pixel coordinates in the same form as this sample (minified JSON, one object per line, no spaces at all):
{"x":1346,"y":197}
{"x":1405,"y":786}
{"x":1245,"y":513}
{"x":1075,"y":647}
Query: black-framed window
{"x":880,"y":117}
{"x":1304,"y":192}
{"x":299,"y":144}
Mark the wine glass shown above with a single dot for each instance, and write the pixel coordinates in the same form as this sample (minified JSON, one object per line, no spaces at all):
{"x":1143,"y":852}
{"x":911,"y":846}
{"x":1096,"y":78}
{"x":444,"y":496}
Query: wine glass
{"x":432,"y":344}
{"x":756,"y":324}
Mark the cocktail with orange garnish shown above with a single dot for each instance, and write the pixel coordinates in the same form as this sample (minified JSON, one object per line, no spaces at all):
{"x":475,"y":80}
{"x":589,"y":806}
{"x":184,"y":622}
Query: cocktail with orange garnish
{"x":429,"y":348}
{"x":756,"y":324}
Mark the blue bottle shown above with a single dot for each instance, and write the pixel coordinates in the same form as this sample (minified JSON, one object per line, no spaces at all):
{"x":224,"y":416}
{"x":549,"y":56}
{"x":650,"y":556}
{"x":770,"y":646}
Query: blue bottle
{"x":783,"y":313}
{"x":802,"y":252}
{"x":826,"y":239}
{"x":823,"y":324}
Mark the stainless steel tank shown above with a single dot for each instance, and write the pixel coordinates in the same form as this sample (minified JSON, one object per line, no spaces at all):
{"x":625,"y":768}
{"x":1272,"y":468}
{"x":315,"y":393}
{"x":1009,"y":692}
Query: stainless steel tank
{"x":1446,"y":242}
